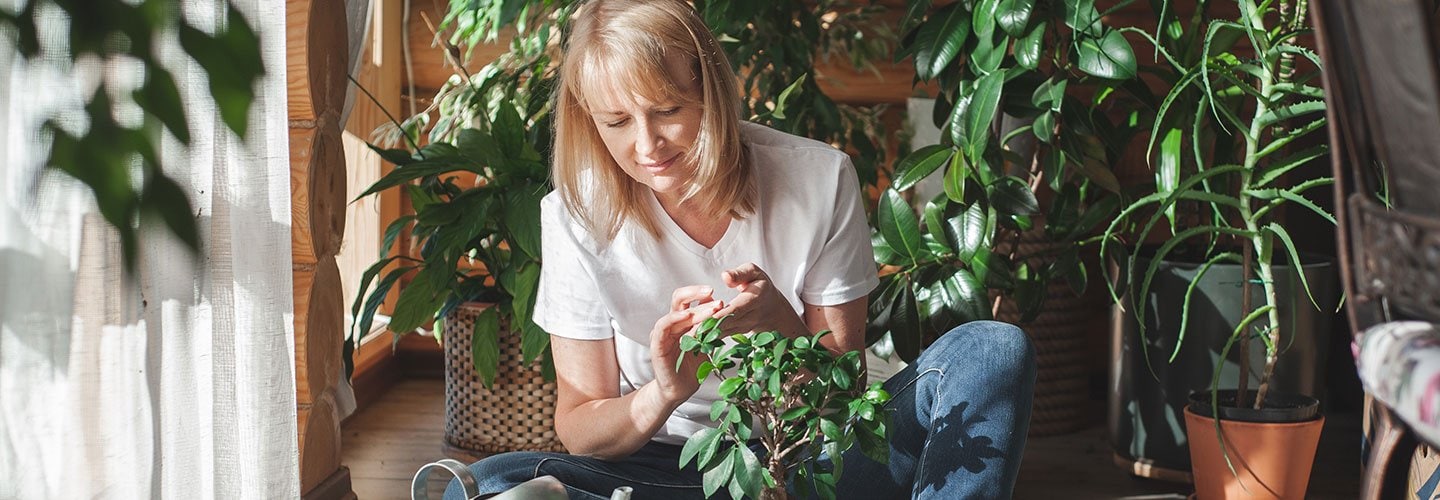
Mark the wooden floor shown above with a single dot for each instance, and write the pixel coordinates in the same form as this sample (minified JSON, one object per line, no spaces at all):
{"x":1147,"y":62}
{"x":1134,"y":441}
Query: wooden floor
{"x":386,"y":443}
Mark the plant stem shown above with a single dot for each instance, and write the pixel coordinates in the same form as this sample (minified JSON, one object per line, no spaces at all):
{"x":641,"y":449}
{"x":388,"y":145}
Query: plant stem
{"x":1244,"y":380}
{"x":1264,"y":260}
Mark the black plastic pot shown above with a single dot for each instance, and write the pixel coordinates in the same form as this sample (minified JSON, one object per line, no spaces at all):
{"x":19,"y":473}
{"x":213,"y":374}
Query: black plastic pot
{"x":1147,"y":399}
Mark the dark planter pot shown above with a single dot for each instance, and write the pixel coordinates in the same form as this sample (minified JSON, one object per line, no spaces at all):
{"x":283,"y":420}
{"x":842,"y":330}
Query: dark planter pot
{"x":1147,"y":400}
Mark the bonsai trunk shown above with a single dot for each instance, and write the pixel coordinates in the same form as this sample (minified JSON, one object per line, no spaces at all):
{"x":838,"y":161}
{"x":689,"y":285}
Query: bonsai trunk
{"x":777,"y":471}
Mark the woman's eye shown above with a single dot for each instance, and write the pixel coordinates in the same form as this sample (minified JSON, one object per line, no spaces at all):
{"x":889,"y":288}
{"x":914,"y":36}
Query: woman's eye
{"x":617,"y":124}
{"x":670,"y":111}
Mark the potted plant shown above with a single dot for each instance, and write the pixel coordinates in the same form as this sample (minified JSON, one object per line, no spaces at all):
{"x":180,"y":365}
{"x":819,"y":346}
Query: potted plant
{"x":1239,"y":98}
{"x":1022,"y":155}
{"x":793,"y":395}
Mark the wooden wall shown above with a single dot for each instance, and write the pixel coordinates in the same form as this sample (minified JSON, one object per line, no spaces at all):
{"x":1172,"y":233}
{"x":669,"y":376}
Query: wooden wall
{"x":316,"y":63}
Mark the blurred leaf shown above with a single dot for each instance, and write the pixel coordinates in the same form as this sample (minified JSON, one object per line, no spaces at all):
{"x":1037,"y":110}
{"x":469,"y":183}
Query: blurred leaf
{"x":160,"y":97}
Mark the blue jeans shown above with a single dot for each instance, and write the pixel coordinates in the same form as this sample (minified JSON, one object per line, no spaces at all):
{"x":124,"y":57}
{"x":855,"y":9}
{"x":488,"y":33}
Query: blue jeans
{"x":958,"y":427}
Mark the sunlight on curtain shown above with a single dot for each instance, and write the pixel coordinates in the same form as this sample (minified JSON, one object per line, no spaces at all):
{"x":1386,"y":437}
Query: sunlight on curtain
{"x":180,"y":383}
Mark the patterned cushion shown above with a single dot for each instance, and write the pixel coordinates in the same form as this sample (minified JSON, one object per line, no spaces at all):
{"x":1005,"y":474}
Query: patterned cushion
{"x":1399,"y":364}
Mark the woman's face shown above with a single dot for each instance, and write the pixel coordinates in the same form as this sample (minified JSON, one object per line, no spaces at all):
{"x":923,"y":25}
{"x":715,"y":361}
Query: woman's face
{"x":649,"y":139}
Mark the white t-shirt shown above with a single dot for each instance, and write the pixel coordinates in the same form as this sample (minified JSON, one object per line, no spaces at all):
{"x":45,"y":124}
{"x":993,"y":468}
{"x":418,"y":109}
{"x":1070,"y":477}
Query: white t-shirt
{"x":809,"y":234}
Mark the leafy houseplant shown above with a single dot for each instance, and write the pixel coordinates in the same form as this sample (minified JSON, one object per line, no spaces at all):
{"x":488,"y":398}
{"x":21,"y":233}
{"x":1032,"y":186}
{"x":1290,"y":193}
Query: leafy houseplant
{"x":1225,"y":171}
{"x":1023,"y":59}
{"x":801,"y":399}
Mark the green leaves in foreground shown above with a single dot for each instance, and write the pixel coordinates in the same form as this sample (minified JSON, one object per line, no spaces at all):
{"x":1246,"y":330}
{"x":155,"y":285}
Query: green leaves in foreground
{"x":794,"y":396}
{"x":106,"y":153}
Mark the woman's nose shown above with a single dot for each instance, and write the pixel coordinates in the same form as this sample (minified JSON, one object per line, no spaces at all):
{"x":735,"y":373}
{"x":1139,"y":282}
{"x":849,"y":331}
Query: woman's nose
{"x":649,"y":140}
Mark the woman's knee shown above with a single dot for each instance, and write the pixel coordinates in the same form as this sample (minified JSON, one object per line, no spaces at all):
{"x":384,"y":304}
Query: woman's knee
{"x":1002,"y":345}
{"x":498,"y":473}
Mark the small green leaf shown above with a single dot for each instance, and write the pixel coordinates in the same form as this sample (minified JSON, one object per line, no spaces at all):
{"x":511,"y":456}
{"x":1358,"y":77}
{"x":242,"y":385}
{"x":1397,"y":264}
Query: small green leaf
{"x":730,"y":385}
{"x":704,"y":438}
{"x":794,"y":413}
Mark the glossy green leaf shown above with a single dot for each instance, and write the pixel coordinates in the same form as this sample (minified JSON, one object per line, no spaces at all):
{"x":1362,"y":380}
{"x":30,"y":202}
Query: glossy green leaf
{"x":1044,"y":127}
{"x":983,"y":106}
{"x":955,"y":179}
{"x":1109,"y":56}
{"x":1011,"y":196}
{"x":1028,"y":47}
{"x":985,"y":13}
{"x":899,"y":226}
{"x":905,"y":325}
{"x":1014,"y":15}
{"x":990,"y":51}
{"x":940,"y":39}
{"x":968,"y":230}
{"x":919,"y":164}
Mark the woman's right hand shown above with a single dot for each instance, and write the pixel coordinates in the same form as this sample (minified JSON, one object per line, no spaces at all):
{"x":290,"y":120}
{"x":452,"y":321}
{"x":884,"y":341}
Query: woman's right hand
{"x":678,"y":385}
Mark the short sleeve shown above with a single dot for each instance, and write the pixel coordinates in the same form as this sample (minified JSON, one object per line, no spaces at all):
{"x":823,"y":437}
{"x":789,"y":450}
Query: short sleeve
{"x":568,"y":302}
{"x":845,"y":269}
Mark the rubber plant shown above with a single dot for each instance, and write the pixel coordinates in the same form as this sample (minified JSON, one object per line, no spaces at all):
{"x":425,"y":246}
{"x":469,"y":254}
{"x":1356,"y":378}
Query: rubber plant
{"x":793,"y":395}
{"x":1225,"y":171}
{"x":1028,"y":61}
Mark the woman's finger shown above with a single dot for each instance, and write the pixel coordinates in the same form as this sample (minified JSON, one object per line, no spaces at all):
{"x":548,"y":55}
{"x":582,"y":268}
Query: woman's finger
{"x":683,"y":296}
{"x":743,"y":274}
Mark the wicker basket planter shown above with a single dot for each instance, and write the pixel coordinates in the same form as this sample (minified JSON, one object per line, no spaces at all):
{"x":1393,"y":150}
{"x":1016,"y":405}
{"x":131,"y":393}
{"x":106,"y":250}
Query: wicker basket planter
{"x":1062,"y":353}
{"x":517,"y":413}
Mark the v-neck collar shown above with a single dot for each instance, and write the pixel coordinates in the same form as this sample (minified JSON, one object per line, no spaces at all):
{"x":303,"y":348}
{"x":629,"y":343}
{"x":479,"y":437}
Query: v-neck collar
{"x":673,"y":230}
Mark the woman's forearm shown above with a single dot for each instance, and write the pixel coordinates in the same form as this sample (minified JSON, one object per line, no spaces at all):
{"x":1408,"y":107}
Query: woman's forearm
{"x":614,"y":428}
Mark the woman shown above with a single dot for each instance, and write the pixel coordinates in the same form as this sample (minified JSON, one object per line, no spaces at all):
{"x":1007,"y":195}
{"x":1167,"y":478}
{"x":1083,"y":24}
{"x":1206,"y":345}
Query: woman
{"x":669,"y":210}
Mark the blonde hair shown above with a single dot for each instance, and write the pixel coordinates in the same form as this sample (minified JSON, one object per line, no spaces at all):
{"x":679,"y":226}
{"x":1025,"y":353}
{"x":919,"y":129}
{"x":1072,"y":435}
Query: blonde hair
{"x":625,"y":43}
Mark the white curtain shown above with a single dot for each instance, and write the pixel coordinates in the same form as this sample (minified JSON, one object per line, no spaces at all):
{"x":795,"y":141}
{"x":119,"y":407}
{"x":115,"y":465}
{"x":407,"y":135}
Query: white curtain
{"x":180,"y":383}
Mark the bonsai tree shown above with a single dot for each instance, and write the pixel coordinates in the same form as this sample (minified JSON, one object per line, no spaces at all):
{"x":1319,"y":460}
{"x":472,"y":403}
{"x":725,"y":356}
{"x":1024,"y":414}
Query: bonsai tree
{"x":1224,"y":168}
{"x":1023,"y":59}
{"x":801,"y":399}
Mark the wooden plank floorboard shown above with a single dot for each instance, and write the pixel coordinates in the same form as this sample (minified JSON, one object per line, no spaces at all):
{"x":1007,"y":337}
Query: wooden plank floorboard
{"x":386,"y":443}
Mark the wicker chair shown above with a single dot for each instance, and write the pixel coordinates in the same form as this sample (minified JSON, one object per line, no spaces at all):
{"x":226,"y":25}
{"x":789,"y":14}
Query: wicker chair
{"x":1382,"y":80}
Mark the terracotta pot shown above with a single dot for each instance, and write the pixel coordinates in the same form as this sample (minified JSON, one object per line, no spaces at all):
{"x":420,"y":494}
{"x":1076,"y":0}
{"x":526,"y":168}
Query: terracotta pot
{"x":1272,"y":459}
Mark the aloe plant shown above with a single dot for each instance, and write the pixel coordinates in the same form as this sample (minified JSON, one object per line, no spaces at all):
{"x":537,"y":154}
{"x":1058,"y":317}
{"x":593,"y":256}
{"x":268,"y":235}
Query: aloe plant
{"x":1224,"y":168}
{"x":1026,"y":59}
{"x":794,"y":396}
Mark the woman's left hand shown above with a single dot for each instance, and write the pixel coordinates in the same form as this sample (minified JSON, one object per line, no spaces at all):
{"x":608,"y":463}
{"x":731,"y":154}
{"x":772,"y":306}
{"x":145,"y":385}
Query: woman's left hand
{"x":759,"y":306}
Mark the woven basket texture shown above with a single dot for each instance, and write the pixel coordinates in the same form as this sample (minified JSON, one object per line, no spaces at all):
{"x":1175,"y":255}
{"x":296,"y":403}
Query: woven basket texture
{"x":1062,"y":354}
{"x":516,"y":413}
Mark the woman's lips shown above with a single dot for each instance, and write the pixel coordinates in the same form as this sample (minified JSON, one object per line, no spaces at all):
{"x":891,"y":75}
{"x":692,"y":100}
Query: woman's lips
{"x":655,"y":168}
